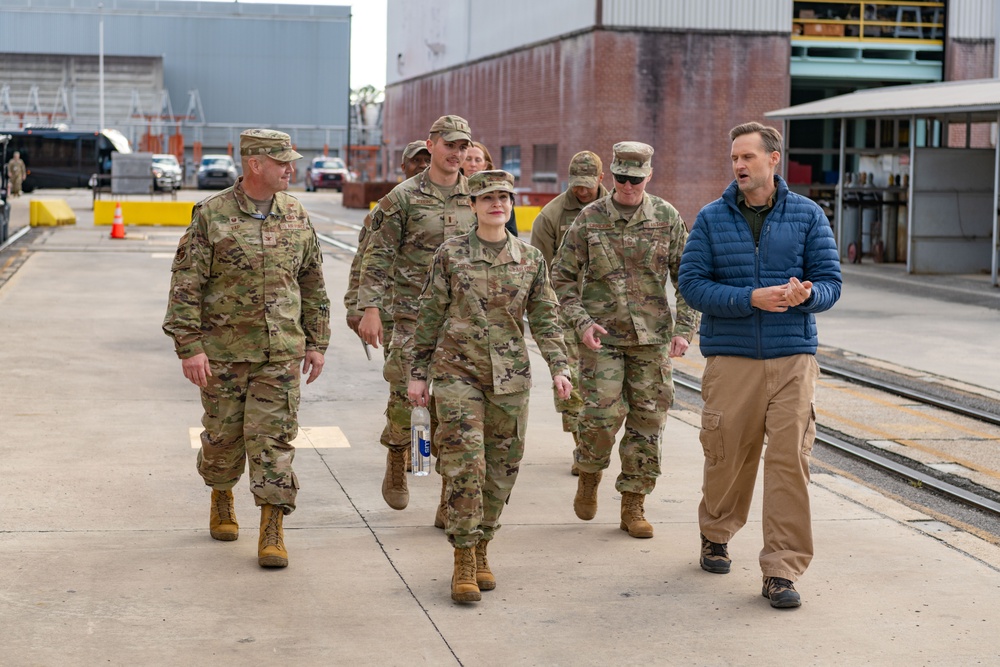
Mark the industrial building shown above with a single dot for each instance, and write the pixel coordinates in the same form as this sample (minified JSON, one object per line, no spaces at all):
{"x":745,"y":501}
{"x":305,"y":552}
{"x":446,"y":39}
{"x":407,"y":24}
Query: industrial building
{"x":177,"y":76}
{"x":540,"y":81}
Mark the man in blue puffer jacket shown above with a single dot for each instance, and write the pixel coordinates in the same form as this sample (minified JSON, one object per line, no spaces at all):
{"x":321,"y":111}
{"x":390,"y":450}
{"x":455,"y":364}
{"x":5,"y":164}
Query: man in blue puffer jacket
{"x":759,"y":264}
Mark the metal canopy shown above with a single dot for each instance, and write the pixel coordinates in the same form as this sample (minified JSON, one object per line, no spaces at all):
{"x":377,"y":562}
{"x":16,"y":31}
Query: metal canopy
{"x":980,"y":97}
{"x":972,"y":101}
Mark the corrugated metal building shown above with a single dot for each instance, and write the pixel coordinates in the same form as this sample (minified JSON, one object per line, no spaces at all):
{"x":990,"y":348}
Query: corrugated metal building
{"x":248,"y":65}
{"x":539,"y":81}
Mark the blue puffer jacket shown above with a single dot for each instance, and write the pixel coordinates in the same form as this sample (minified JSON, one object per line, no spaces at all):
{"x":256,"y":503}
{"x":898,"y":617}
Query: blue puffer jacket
{"x":721,"y":267}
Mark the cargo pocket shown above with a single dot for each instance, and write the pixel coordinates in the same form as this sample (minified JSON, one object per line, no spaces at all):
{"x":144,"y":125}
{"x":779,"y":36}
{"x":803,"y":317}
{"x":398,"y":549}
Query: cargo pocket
{"x":711,"y":436}
{"x":394,"y":371}
{"x":810,"y":435}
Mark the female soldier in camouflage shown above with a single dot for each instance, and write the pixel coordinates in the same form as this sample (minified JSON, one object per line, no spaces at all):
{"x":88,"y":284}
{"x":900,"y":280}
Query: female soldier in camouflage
{"x":469,"y":336}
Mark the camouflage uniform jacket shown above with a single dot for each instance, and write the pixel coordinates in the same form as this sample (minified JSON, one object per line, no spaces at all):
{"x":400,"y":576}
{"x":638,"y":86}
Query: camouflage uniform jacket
{"x":408,"y":225}
{"x":469,"y":327}
{"x":245,"y":289}
{"x":553,"y":221}
{"x":625,"y":266}
{"x":354,"y":280}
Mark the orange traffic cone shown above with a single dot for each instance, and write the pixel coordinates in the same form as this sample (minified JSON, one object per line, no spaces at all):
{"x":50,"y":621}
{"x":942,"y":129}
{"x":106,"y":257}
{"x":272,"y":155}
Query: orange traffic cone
{"x":118,"y":228}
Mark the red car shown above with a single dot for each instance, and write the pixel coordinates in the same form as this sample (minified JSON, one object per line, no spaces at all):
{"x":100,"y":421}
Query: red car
{"x":326,"y":172}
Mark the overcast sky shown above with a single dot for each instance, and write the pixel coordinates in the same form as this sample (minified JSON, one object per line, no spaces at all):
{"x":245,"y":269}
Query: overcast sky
{"x":367,"y":37}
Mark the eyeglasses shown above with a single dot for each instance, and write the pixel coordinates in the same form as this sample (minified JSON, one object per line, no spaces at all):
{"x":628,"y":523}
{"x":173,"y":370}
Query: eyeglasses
{"x":634,"y":180}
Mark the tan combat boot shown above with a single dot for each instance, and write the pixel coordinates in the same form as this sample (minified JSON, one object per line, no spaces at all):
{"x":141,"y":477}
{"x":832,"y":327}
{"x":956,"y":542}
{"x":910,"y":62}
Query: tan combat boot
{"x":394,"y":490}
{"x":585,"y":503}
{"x":441,"y":515}
{"x":484,"y":577}
{"x":222,"y":520}
{"x":463,"y":582}
{"x":271,"y":543}
{"x":633,"y":516}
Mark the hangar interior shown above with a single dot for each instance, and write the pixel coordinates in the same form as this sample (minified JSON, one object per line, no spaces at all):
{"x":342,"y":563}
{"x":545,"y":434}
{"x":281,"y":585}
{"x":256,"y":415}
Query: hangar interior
{"x":917,"y":174}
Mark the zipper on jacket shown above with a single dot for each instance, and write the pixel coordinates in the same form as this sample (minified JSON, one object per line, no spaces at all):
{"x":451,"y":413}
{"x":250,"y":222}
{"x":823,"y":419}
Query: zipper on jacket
{"x":756,"y":282}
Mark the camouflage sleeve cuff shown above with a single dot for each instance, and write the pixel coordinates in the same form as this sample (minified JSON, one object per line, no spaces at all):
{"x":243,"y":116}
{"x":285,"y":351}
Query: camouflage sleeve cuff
{"x":418,"y":373}
{"x":582,"y":327}
{"x":190,"y":350}
{"x":687,"y":333}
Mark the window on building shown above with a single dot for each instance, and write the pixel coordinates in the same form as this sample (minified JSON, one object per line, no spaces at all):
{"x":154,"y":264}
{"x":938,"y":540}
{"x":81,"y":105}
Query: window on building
{"x":545,"y":165}
{"x":510,"y":160}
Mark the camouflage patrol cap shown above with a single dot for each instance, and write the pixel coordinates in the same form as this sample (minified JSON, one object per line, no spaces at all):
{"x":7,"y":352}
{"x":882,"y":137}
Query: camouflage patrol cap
{"x":632,"y":158}
{"x":491,"y":181}
{"x":584,"y":170}
{"x":452,"y":128}
{"x":272,"y":143}
{"x":413,"y":148}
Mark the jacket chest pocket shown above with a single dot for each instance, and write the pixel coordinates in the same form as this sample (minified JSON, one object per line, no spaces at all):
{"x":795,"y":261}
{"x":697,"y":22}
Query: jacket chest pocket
{"x":238,"y":246}
{"x":657,"y":255}
{"x":509,"y":288}
{"x":602,"y":259}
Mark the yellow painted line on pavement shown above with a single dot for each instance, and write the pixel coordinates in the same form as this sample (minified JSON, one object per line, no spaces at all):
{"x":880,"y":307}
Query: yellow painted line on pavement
{"x":316,"y":437}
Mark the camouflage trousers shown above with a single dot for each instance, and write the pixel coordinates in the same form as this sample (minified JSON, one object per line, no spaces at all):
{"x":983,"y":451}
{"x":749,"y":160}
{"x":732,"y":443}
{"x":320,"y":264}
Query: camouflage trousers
{"x":480,"y":444}
{"x":251,"y":414}
{"x":631,"y":385}
{"x":572,"y":407}
{"x":397,"y":413}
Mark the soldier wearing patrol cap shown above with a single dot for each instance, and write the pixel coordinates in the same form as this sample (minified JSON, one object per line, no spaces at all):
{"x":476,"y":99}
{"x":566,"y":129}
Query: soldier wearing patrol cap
{"x":469,"y":342}
{"x":415,"y":159}
{"x":610,"y":275}
{"x":247,"y":305}
{"x":408,"y":225}
{"x":586,"y":172}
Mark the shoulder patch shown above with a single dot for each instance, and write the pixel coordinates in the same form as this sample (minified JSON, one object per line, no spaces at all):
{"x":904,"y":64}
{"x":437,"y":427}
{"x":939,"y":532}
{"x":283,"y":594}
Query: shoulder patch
{"x":389,"y":204}
{"x":377,"y":216}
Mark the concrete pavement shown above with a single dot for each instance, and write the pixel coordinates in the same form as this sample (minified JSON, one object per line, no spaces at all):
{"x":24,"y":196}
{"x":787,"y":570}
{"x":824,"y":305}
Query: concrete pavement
{"x":107,"y":557}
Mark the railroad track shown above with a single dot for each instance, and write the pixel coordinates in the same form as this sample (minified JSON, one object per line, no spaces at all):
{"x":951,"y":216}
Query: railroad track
{"x":910,"y":473}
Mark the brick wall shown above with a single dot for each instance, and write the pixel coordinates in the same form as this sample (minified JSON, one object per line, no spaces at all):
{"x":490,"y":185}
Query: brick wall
{"x":964,"y":60}
{"x":679,"y":92}
{"x":968,"y":59}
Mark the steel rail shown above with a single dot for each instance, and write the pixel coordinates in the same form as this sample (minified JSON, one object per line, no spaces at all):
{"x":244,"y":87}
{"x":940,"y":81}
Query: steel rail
{"x":882,"y":462}
{"x":913,"y":394}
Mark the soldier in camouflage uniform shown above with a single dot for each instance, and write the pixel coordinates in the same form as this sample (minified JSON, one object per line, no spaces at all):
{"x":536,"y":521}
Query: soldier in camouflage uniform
{"x":469,"y":342}
{"x":407,"y":227}
{"x":585,"y":175}
{"x":16,"y":173}
{"x":247,"y":305}
{"x":416,"y":158}
{"x":622,"y":249}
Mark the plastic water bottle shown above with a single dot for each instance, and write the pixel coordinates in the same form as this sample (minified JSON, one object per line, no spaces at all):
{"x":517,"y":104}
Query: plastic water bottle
{"x":420,"y":441}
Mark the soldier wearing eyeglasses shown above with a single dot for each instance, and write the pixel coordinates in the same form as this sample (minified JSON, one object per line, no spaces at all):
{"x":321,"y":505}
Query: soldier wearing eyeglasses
{"x":611,"y":275}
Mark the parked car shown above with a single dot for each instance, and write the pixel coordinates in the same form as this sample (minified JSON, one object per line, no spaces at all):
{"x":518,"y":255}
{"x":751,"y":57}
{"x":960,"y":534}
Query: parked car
{"x":216,"y":171}
{"x":326,"y":172}
{"x":167,"y":173}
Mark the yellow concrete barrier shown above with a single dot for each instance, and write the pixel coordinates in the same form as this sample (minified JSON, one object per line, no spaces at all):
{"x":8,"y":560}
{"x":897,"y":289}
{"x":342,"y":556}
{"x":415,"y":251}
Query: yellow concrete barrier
{"x":168,"y":213}
{"x":526,"y":217}
{"x":49,"y":213}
